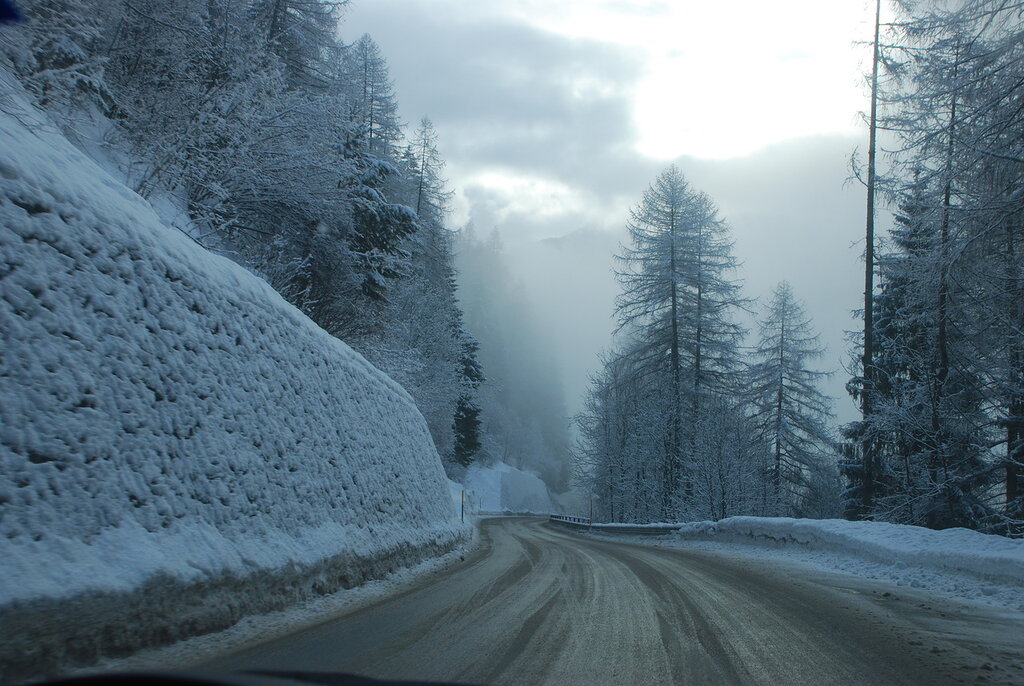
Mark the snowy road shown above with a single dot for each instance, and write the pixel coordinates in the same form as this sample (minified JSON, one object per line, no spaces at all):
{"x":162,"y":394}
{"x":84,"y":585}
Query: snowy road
{"x":538,"y":605}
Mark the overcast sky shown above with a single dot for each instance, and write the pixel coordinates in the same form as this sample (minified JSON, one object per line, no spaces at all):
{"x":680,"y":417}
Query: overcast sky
{"x":555,"y":116}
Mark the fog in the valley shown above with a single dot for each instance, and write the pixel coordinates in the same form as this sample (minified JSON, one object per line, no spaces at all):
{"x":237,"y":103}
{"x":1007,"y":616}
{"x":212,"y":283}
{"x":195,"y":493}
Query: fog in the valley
{"x":546,"y":129}
{"x":793,"y":217}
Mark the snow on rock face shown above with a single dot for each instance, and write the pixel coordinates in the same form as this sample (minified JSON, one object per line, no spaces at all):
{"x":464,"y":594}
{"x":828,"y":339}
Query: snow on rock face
{"x":163,"y":412}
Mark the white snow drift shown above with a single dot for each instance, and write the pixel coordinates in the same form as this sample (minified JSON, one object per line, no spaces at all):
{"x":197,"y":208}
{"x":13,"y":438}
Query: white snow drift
{"x":957,"y":561}
{"x":166,"y":415}
{"x":959,"y":550}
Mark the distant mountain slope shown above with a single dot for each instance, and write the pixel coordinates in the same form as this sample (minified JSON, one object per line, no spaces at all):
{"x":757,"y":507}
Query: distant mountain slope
{"x":501,"y":488}
{"x":178,"y":445}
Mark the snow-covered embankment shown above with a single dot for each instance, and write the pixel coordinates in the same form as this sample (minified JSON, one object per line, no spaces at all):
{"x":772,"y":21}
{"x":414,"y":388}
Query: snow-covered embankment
{"x":179,"y":447}
{"x":957,"y":561}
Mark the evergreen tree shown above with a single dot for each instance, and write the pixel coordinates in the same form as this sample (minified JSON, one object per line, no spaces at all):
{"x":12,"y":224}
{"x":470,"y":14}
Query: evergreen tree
{"x":467,"y":425}
{"x":56,"y":53}
{"x":301,"y":33}
{"x":373,"y":107}
{"x":949,"y":414}
{"x":676,"y":304}
{"x":790,"y":412}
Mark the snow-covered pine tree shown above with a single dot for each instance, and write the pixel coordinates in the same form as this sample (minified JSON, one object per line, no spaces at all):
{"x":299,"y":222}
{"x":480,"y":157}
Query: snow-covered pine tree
{"x":56,"y":52}
{"x":302,"y":34}
{"x":424,"y":345}
{"x":989,"y":166}
{"x":677,"y":305}
{"x":466,"y":424}
{"x":379,"y":224}
{"x":959,"y":70}
{"x":903,"y":325}
{"x":928,"y":411}
{"x":790,"y":412}
{"x":372,"y":103}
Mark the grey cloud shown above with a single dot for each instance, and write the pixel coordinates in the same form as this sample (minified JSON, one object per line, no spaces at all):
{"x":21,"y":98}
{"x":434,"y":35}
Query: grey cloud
{"x":504,"y":94}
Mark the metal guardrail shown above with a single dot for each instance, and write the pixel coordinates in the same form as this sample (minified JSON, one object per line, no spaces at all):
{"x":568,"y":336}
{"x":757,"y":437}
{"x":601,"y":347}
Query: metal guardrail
{"x":507,"y":513}
{"x":570,"y":520}
{"x":574,"y":522}
{"x":639,"y":529}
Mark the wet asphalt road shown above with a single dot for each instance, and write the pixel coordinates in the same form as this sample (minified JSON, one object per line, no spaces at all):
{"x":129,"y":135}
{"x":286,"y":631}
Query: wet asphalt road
{"x":540,"y":605}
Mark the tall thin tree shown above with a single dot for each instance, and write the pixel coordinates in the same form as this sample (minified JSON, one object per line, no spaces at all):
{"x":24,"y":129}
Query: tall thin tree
{"x":868,"y":474}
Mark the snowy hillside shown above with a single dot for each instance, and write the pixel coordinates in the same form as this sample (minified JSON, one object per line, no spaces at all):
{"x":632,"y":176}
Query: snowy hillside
{"x":170,"y":426}
{"x":502,"y":488}
{"x":956,"y":550}
{"x":957,"y":561}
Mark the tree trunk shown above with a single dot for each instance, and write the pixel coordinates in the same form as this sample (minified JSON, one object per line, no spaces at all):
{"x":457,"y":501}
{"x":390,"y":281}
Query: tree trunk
{"x":675,"y":446}
{"x":939,"y":458}
{"x":778,"y":415}
{"x":869,"y":466}
{"x":1015,"y":403}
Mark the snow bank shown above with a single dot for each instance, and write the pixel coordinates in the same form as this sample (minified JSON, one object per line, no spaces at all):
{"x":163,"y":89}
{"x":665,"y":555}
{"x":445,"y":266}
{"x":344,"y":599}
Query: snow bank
{"x":913,"y":555}
{"x":169,"y":422}
{"x":958,"y":550}
{"x":502,"y":488}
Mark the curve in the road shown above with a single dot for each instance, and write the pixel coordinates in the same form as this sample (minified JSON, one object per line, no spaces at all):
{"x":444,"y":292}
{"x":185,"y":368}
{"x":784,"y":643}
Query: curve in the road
{"x":540,"y":605}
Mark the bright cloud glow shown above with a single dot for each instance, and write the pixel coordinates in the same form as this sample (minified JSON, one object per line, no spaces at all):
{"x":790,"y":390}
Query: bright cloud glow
{"x":726,"y":78}
{"x":527,"y":194}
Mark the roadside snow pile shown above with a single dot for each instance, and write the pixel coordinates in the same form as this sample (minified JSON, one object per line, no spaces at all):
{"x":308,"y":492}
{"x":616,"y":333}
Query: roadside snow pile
{"x":168,"y":422}
{"x":959,"y":561}
{"x":502,"y":488}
